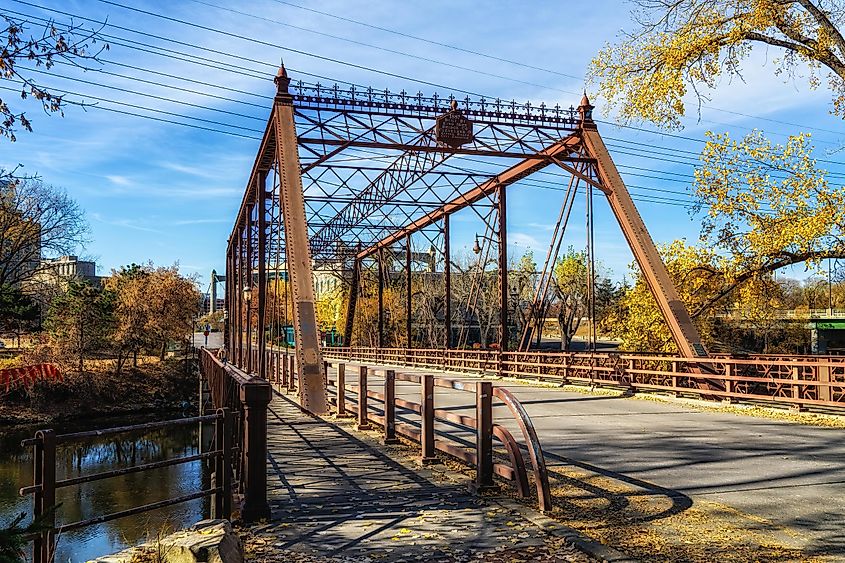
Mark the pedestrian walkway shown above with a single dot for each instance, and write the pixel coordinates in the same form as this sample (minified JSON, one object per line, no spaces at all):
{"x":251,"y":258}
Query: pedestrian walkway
{"x":338,"y":497}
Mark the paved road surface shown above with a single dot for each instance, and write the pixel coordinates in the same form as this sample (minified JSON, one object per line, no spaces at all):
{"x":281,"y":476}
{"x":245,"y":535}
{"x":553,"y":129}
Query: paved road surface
{"x":215,"y":340}
{"x":789,"y":474}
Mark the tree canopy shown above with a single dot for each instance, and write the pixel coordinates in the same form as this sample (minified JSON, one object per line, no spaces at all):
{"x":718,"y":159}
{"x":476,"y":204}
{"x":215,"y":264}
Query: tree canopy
{"x":680,"y":46}
{"x":43,"y":47}
{"x":36,"y":219}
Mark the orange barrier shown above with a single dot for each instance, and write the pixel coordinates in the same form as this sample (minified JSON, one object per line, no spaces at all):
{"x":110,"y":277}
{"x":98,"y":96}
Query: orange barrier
{"x":27,"y":376}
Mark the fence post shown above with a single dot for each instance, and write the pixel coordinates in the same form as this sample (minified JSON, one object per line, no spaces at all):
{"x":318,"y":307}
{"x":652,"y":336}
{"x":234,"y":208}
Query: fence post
{"x":796,"y":390}
{"x":484,"y":436}
{"x":222,"y":477}
{"x":291,"y":373}
{"x":390,"y":407}
{"x":363,"y":421}
{"x":822,"y":378}
{"x":45,"y":496}
{"x":341,"y":391}
{"x":255,"y":396}
{"x":729,"y":384}
{"x":427,"y":414}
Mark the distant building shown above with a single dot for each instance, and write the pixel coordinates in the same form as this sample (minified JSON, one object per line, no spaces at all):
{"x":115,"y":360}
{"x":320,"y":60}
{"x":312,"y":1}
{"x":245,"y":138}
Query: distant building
{"x":59,"y":271}
{"x":206,"y":304}
{"x":325,"y":281}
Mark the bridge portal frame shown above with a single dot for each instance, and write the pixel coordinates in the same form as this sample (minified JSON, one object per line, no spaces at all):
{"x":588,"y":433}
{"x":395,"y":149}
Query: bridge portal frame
{"x":347,"y":222}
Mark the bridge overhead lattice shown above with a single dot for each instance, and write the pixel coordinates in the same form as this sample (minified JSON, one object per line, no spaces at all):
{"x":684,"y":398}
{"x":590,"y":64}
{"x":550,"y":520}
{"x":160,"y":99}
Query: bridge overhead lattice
{"x":348,"y":175}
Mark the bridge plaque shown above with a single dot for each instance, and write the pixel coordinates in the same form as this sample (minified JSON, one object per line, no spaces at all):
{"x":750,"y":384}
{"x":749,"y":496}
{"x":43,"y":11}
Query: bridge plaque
{"x":452,"y":128}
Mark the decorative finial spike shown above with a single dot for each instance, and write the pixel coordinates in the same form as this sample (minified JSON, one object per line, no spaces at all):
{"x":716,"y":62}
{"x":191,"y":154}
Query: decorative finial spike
{"x":585,"y":110}
{"x":282,"y":79}
{"x":585,"y":101}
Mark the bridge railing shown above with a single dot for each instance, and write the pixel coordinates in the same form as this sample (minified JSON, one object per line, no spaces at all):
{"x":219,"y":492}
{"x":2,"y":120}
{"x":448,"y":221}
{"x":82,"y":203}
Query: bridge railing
{"x":247,"y":396}
{"x":427,"y":435}
{"x":800,"y":382}
{"x":45,"y":484}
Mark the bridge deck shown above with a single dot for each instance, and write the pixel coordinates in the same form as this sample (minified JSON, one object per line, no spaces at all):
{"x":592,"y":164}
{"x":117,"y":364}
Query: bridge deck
{"x":335,"y":496}
{"x":624,"y":467}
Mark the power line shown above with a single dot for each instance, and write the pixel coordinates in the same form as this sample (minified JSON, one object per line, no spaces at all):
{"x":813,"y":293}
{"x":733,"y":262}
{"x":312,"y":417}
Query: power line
{"x":281,"y":47}
{"x":429,"y":41}
{"x":525,"y":65}
{"x":301,"y":72}
{"x":152,"y":96}
{"x":635,"y":154}
{"x":384,"y":49}
{"x":153,"y":118}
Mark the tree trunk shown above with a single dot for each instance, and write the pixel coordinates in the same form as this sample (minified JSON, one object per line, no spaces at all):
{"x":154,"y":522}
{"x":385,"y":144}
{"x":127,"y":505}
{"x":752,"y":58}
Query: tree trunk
{"x":163,"y":350}
{"x":120,"y":359}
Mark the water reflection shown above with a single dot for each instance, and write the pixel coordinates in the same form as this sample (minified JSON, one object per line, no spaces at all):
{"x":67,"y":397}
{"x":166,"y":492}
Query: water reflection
{"x":110,"y":495}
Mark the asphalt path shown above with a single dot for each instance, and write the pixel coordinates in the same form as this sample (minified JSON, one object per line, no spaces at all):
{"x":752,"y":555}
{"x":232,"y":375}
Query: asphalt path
{"x":789,"y":474}
{"x":215,"y":340}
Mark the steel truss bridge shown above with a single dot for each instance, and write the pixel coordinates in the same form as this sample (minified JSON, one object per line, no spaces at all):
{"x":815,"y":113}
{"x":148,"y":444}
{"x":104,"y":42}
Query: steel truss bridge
{"x":354,"y":182}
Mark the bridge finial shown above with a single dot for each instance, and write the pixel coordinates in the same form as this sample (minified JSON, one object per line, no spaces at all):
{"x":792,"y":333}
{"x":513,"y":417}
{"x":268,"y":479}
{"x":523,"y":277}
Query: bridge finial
{"x":282,"y":79}
{"x":585,"y":110}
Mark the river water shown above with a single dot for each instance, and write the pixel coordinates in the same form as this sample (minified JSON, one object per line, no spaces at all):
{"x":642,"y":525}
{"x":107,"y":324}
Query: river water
{"x":109,"y":495}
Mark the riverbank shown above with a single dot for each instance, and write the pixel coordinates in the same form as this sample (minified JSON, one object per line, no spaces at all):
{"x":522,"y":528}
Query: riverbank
{"x":153,"y":386}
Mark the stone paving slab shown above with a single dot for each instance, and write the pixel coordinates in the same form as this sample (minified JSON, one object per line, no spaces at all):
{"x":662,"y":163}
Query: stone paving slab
{"x":335,"y":497}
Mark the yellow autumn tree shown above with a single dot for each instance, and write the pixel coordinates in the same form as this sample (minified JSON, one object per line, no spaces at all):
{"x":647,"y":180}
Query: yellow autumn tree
{"x":767,"y":206}
{"x":636,"y":320}
{"x":686,"y":46}
{"x":331,"y":308}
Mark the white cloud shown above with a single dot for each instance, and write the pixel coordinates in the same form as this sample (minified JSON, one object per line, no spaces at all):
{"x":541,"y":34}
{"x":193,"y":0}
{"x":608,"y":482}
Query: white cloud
{"x":119,"y":180}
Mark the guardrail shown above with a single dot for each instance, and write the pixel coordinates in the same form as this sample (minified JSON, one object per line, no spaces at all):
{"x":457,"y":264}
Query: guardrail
{"x":281,"y":370}
{"x":45,"y":484}
{"x":247,"y":396}
{"x":281,"y":366}
{"x":800,"y":382}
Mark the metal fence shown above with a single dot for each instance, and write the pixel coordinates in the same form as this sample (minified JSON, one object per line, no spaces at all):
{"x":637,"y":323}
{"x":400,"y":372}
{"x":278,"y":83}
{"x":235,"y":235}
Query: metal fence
{"x":247,"y":397}
{"x":45,"y":485}
{"x":799,"y":382}
{"x":382,"y":411}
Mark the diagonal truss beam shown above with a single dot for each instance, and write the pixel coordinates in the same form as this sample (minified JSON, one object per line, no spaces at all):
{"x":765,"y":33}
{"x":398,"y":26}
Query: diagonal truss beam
{"x":404,"y":172}
{"x":528,"y":166}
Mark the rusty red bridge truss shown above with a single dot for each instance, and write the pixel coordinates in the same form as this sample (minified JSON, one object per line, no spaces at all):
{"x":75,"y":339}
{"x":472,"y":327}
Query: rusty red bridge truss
{"x":359,"y":185}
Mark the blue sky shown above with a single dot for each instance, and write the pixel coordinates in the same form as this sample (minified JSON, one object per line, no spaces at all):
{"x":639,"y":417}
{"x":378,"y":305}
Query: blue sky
{"x":164,"y":192}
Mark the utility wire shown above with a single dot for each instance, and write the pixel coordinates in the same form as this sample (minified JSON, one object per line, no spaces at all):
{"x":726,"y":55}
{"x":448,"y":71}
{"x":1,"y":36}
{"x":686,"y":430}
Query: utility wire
{"x":282,"y":47}
{"x":429,"y":41}
{"x":526,"y":65}
{"x":384,"y":49}
{"x":673,"y":135}
{"x":260,"y":119}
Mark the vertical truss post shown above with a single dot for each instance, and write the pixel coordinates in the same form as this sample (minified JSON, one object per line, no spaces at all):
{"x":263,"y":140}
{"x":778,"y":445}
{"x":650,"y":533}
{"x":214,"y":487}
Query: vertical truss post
{"x":409,"y":294}
{"x":503,"y":268}
{"x":241,"y":312}
{"x":297,"y":249}
{"x":227,"y":299}
{"x":352,"y":302}
{"x":447,"y":279}
{"x":380,"y":298}
{"x":250,"y":258}
{"x":261,"y":204}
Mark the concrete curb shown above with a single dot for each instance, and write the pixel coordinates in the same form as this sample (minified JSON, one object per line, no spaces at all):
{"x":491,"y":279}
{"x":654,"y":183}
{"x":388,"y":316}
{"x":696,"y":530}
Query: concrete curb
{"x":584,"y":543}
